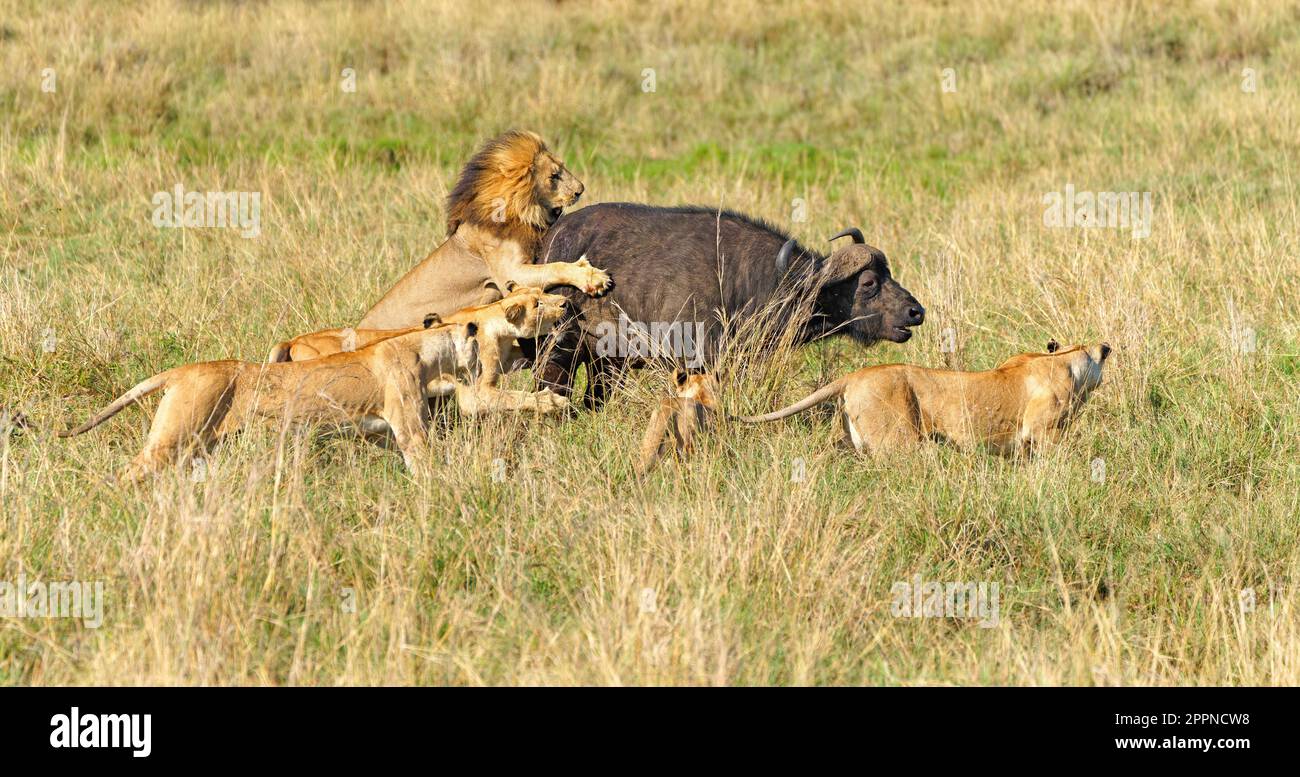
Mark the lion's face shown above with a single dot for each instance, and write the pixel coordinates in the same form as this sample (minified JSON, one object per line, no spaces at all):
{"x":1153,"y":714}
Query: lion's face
{"x":555,"y":187}
{"x":532,"y":312}
{"x":701,"y":387}
{"x":1085,"y":365}
{"x":1080,"y":365}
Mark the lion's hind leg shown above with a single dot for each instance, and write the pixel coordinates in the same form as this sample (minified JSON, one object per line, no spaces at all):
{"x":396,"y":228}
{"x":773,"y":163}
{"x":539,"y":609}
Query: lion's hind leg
{"x":882,"y":417}
{"x":880,"y":433}
{"x":192,"y":415}
{"x":406,"y":413}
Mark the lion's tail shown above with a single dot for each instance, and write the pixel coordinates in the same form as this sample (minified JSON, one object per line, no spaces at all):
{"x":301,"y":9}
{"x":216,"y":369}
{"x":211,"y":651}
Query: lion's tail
{"x":281,"y":352}
{"x":826,"y":393}
{"x":141,"y":389}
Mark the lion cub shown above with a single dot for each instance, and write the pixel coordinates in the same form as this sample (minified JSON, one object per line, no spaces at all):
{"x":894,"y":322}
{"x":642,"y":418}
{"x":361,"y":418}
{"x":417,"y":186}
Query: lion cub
{"x":204,"y":402}
{"x":678,"y":417}
{"x":1022,"y":403}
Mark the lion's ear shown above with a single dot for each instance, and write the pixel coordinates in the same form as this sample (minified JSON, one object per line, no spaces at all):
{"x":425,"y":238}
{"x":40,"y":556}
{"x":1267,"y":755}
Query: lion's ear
{"x":511,"y":286}
{"x":1053,"y":346}
{"x":516,"y":312}
{"x":471,"y":329}
{"x":679,"y":376}
{"x":433,"y":319}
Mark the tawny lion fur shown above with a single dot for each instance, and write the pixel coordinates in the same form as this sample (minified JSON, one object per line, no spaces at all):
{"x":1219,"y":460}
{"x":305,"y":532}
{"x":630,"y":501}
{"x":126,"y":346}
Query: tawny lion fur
{"x":206,"y":401}
{"x":526,"y":311}
{"x":1023,"y":403}
{"x":507,"y":196}
{"x":677,"y":418}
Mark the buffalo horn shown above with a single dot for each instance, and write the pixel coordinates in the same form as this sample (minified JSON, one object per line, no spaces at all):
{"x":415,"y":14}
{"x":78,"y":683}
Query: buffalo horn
{"x":851,"y":231}
{"x":783,"y":256}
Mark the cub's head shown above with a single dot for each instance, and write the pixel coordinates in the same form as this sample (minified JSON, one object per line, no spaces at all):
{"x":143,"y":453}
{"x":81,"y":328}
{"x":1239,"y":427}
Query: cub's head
{"x":531,"y":312}
{"x":701,"y":387}
{"x":513,"y":182}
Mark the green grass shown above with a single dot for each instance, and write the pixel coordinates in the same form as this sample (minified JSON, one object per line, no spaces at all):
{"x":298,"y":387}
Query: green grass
{"x":246,"y":578}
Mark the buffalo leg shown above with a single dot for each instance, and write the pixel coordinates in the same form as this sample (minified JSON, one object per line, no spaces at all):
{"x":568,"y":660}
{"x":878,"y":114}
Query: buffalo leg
{"x":557,"y":364}
{"x":602,"y":374}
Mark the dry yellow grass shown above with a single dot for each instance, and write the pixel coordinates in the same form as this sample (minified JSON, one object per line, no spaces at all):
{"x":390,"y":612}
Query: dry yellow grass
{"x":308,"y":558}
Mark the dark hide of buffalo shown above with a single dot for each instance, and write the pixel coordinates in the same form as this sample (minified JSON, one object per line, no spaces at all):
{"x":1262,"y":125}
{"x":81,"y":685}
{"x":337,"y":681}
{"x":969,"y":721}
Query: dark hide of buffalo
{"x":697,"y":268}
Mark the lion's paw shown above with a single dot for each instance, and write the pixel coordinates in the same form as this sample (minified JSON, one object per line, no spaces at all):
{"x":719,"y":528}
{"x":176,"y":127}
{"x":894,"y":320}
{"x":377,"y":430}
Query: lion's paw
{"x":548,"y":401}
{"x":598,"y":282}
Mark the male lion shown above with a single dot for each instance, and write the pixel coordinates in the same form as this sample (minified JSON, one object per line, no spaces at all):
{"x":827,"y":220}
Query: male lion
{"x":204,"y":402}
{"x":1023,"y":403}
{"x":511,"y":191}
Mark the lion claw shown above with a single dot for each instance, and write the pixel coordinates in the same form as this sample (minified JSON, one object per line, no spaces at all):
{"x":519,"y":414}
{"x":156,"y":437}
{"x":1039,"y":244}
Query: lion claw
{"x":601,"y":283}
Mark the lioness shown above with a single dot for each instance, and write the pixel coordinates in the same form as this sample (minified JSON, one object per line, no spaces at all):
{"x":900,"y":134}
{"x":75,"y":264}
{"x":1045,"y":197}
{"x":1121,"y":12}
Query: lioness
{"x":677,"y":418}
{"x":1022,"y":403}
{"x":326,"y":342}
{"x":526,"y":311}
{"x":204,"y":402}
{"x":507,"y":196}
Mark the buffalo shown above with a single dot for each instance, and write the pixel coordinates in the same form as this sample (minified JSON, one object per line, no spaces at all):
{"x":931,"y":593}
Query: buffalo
{"x":698,"y":275}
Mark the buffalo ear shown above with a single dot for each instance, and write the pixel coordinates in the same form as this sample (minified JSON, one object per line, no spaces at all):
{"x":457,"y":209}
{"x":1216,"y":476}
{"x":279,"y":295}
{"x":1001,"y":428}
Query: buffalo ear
{"x":1053,"y":346}
{"x":433,"y":319}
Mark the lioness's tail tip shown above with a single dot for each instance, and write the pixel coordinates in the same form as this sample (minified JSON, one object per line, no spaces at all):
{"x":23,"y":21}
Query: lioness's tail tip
{"x":75,"y":430}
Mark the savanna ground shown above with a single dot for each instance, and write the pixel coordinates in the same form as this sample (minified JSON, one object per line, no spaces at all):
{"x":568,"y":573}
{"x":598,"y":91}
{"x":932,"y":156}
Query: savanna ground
{"x":312,"y":558}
